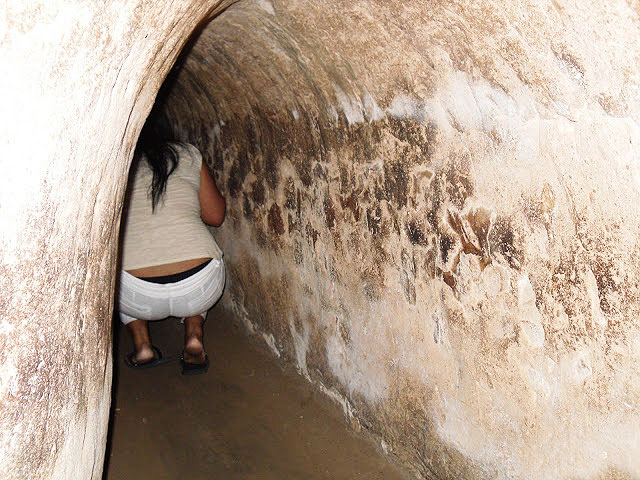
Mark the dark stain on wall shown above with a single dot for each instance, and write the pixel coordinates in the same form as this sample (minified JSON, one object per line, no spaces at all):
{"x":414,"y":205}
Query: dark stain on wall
{"x":237,"y":175}
{"x":416,"y":137}
{"x":297,"y":324}
{"x":347,"y":177}
{"x":446,"y":244}
{"x":429,"y":258}
{"x":449,"y":279}
{"x":396,"y":183}
{"x":292,"y":199}
{"x":261,"y":238}
{"x":415,"y":233}
{"x":502,"y":240}
{"x":329,"y":213}
{"x":265,"y":145}
{"x":258,"y":193}
{"x":433,"y":214}
{"x":247,"y":206}
{"x":275,"y":220}
{"x":350,"y":203}
{"x":603,"y":272}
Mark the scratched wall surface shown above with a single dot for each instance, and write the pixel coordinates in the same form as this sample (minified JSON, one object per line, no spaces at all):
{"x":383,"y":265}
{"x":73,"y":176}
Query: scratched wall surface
{"x":433,"y":214}
{"x":78,"y":80}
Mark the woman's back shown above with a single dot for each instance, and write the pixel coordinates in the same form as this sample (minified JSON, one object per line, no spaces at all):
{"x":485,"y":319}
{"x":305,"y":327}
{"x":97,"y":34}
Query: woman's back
{"x":174,"y":231}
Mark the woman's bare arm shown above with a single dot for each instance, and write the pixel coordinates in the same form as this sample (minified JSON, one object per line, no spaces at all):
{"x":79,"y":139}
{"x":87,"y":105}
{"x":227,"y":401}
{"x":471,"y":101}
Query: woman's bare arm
{"x":212,"y":205}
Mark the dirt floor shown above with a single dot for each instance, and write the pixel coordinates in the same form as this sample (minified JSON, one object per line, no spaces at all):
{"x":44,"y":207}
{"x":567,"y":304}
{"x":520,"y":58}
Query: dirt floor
{"x":247,"y":418}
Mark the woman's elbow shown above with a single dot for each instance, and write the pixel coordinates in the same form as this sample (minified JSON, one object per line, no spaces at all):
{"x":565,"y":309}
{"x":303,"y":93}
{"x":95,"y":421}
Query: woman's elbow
{"x":215,"y":217}
{"x":216,"y":220}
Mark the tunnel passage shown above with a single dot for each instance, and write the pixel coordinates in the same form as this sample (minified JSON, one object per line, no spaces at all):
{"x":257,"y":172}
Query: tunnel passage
{"x":430,"y":213}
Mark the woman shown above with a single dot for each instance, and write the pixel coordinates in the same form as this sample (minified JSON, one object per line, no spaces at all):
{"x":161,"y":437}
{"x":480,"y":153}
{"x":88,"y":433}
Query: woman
{"x":171,"y":265}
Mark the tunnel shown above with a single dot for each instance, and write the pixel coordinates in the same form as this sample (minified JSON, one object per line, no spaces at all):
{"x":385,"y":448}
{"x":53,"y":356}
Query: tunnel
{"x":431,"y":215}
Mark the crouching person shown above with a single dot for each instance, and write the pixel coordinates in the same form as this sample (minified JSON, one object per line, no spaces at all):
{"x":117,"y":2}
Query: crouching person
{"x":171,"y":264}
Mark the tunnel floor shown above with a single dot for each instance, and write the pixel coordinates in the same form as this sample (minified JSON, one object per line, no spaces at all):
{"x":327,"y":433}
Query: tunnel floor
{"x":247,"y":418}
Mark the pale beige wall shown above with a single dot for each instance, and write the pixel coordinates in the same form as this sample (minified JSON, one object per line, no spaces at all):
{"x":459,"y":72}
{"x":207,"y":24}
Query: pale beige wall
{"x":78,"y":79}
{"x":433,"y":214}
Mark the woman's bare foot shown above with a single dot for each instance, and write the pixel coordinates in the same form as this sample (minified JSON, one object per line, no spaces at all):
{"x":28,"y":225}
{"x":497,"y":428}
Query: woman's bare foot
{"x":142,"y":355}
{"x":193,"y":346}
{"x":141,"y":342}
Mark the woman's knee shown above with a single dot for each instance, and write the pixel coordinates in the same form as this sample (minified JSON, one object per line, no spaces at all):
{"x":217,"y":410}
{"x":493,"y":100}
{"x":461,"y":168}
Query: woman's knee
{"x":126,"y":319}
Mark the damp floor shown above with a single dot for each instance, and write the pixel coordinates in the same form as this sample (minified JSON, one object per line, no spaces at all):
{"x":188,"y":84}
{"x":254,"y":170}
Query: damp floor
{"x":247,"y":418}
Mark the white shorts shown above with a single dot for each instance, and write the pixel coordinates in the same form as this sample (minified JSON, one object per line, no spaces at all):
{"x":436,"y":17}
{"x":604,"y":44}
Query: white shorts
{"x":195,"y":295}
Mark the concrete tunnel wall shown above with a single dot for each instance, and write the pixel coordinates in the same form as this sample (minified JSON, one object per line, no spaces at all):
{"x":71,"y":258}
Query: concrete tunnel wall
{"x":431,"y":213}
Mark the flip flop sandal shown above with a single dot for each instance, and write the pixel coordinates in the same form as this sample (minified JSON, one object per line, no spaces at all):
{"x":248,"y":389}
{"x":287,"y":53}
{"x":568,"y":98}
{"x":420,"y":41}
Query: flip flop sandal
{"x":157,"y":359}
{"x":194,"y":368}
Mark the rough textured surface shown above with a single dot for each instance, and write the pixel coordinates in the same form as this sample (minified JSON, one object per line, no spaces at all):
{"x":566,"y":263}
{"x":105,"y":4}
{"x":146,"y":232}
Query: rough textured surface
{"x":79,"y":78}
{"x":432,"y":213}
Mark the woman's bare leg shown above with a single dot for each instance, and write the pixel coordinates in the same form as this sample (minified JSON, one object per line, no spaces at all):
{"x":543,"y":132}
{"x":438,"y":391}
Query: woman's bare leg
{"x":141,"y":341}
{"x":193,"y":346}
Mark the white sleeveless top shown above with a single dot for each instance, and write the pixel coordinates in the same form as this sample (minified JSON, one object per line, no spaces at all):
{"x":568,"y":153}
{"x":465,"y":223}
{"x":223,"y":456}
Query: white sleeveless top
{"x":175,"y":231}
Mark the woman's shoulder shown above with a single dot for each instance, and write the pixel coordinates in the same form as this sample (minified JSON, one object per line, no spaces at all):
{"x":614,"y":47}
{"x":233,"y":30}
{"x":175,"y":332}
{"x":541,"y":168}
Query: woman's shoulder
{"x":186,"y":149}
{"x":189,"y":161}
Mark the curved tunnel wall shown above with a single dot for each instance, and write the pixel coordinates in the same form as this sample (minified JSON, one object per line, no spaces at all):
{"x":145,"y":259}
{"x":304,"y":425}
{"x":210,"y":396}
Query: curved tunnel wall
{"x":432,"y":214}
{"x":78,"y":81}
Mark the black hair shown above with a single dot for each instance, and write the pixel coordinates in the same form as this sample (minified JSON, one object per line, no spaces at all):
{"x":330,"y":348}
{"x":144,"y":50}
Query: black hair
{"x":160,"y":153}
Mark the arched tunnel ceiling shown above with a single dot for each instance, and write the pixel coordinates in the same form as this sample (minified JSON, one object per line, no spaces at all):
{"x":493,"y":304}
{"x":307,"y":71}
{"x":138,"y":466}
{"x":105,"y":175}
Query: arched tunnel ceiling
{"x":432,"y":214}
